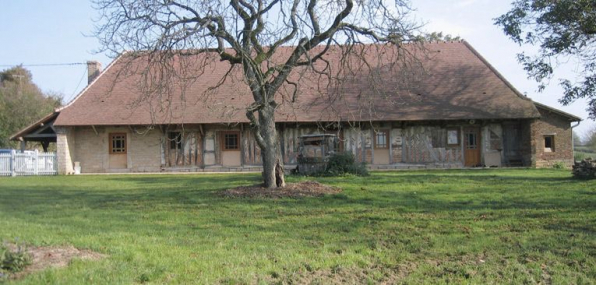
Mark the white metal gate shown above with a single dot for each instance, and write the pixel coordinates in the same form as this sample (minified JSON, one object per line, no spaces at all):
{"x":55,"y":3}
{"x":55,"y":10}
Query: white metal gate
{"x":28,"y":163}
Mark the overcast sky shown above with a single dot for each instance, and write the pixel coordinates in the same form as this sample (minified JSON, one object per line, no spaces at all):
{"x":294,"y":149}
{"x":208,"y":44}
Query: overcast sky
{"x":47,"y":32}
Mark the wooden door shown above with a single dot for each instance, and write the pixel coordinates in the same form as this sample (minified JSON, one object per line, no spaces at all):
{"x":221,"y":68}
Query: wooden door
{"x":472,"y":146}
{"x":118,"y":158}
{"x":230,"y":148}
{"x":381,"y":151}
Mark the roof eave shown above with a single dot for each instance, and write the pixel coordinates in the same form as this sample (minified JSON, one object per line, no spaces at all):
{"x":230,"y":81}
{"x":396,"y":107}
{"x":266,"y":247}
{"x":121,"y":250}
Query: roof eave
{"x":571,"y":117}
{"x":44,"y":120}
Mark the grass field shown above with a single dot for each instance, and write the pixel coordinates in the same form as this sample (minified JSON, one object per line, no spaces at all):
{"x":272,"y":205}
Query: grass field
{"x":582,"y":152}
{"x":583,"y":155}
{"x":475,"y":226}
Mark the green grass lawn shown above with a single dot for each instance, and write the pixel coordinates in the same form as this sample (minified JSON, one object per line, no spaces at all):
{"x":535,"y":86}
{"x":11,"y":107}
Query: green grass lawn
{"x":475,"y":226}
{"x":583,"y":155}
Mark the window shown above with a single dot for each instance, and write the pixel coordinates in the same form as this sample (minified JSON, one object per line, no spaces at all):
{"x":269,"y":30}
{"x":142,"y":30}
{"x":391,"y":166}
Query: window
{"x":231,"y":140}
{"x":438,"y":138}
{"x":452,"y":137}
{"x":118,"y":143}
{"x":382,"y":139}
{"x":549,"y":143}
{"x":175,"y":139}
{"x":472,"y":142}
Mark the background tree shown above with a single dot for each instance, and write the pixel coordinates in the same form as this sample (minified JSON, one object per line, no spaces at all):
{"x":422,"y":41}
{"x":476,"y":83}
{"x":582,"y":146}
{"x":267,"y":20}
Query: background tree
{"x":249,"y":34}
{"x":437,"y":37}
{"x":21,"y":103}
{"x":563,"y":30}
{"x":590,"y":139}
{"x":577,"y":139}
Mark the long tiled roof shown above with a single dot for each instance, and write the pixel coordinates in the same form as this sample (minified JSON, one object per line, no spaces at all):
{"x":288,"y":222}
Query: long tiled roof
{"x":446,"y":81}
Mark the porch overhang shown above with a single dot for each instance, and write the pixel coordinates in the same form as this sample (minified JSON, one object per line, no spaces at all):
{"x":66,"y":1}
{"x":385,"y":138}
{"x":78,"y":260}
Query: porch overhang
{"x":41,"y":131}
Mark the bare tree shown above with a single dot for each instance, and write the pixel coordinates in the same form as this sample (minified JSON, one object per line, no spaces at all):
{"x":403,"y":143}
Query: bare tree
{"x":249,"y":34}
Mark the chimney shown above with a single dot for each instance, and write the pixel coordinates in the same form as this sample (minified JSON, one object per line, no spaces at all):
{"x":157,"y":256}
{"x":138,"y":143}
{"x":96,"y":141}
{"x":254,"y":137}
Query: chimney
{"x":93,"y":70}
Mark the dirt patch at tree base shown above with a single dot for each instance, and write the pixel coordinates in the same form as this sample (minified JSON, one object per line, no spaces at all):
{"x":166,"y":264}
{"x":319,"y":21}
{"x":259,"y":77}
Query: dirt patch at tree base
{"x":53,"y":257}
{"x":291,"y":190}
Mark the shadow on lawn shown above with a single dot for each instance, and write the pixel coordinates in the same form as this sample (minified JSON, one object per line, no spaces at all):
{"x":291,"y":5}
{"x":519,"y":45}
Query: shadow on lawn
{"x":435,"y":192}
{"x":149,"y":202}
{"x":411,"y":191}
{"x":471,"y":175}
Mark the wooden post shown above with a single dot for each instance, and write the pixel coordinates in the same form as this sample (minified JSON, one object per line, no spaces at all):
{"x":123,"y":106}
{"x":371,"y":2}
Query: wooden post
{"x":390,"y":142}
{"x":281,"y":140}
{"x":45,"y":145}
{"x":372,"y":145}
{"x":241,"y":146}
{"x":362,"y":150}
{"x":463,"y":150}
{"x":196,"y":147}
{"x":203,"y":146}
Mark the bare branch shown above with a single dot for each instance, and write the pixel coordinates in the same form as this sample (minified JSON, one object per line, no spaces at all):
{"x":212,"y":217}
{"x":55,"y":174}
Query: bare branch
{"x":273,"y":46}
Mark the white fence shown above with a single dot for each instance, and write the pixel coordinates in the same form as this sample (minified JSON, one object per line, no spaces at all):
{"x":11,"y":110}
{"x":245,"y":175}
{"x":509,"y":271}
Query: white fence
{"x":28,"y":163}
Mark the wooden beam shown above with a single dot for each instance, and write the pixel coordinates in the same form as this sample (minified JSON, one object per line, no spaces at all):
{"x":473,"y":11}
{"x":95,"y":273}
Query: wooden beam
{"x":38,"y":136}
{"x":201,"y":130}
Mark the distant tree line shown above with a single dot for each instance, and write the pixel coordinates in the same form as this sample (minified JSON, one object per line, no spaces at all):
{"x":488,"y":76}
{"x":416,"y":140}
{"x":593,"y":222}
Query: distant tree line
{"x":21,"y":103}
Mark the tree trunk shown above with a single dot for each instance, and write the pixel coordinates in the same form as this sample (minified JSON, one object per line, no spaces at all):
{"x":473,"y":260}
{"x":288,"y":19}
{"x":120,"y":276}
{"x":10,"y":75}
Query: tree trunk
{"x":273,"y":173}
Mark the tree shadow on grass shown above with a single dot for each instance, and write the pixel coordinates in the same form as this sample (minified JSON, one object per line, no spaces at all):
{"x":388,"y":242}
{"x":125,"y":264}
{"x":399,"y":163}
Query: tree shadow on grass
{"x":440,"y":191}
{"x":147,"y":199}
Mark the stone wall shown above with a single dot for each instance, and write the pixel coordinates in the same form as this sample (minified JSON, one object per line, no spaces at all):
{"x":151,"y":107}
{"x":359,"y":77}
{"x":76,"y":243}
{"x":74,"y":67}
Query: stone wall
{"x":144,"y":152}
{"x":92,"y":149}
{"x":557,"y":126}
{"x":65,"y":145}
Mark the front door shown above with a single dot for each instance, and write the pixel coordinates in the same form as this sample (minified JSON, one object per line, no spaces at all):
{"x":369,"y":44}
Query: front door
{"x":118,"y":151}
{"x":472,"y":146}
{"x":381,"y":151}
{"x":230,"y":148}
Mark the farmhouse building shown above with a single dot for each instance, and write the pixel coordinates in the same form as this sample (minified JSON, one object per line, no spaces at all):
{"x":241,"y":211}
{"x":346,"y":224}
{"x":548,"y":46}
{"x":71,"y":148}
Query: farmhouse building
{"x":447,"y":108}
